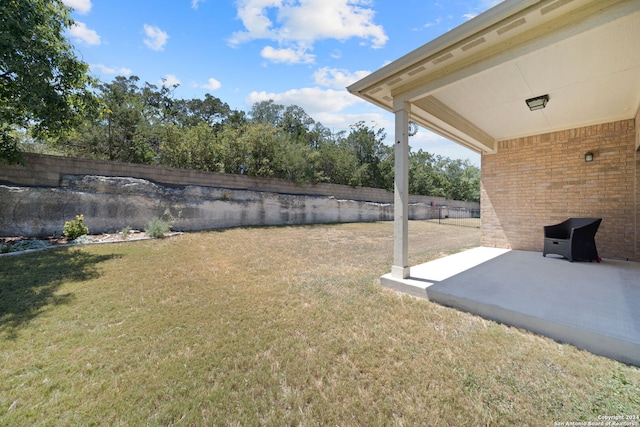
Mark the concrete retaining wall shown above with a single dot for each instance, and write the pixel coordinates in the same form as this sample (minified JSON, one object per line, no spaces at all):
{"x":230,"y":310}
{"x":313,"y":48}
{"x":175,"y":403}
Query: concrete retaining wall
{"x":47,"y":171}
{"x":109,"y":204}
{"x":39,"y":198}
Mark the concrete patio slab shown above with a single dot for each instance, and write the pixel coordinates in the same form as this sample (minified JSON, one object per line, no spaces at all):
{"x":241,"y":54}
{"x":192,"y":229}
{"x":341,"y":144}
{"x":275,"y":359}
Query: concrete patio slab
{"x":592,"y":306}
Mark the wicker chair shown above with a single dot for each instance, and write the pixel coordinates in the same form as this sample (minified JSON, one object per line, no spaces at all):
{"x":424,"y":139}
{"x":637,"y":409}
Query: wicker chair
{"x":573,"y":239}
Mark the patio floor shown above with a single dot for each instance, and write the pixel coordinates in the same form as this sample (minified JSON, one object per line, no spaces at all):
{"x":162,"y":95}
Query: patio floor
{"x":592,"y":306}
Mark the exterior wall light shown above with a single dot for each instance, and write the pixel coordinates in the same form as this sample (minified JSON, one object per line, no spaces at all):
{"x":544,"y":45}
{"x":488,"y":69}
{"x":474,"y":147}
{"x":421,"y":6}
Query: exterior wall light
{"x":588,"y":156}
{"x":537,"y":103}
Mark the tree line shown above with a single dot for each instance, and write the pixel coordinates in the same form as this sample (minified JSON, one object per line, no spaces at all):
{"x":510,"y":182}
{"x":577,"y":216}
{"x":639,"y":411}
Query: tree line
{"x":130,"y":121}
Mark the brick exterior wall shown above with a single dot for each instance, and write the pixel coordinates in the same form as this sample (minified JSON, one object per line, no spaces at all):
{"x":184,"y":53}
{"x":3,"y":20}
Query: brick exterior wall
{"x":637,"y":220}
{"x":543,"y":179}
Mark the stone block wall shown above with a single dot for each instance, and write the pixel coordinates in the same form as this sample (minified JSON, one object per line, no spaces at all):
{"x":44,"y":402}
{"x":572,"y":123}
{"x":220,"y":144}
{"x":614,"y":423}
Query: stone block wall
{"x":543,"y":179}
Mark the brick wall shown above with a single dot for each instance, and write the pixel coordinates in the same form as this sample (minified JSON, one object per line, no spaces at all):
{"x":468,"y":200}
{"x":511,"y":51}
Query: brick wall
{"x":637,"y":183}
{"x":637,"y":216}
{"x":638,"y":130}
{"x":540,"y":180}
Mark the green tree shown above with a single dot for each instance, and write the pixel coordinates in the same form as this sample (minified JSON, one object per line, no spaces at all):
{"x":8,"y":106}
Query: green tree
{"x":266,"y":112}
{"x":131,"y":122}
{"x":234,"y":149}
{"x":261,"y":142}
{"x":286,"y":143}
{"x":336,"y":162}
{"x":43,"y":85}
{"x":195,"y":147}
{"x":373,"y":159}
{"x":114,"y":133}
{"x":297,"y":124}
{"x":425,"y":178}
{"x":433,"y":175}
{"x":463,"y":180}
{"x":210,"y":110}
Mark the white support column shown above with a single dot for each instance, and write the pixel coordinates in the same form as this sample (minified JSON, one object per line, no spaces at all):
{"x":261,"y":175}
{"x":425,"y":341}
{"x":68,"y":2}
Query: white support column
{"x":400,"y":268}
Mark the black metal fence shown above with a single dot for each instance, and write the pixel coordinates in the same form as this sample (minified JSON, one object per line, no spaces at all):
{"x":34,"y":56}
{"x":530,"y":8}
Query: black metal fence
{"x":462,"y":217}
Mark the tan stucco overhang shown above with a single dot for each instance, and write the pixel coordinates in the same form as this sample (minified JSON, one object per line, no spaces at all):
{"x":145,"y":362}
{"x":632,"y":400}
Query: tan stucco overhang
{"x":470,"y":84}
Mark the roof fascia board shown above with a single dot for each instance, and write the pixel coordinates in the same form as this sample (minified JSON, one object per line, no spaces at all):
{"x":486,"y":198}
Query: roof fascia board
{"x":434,"y":48}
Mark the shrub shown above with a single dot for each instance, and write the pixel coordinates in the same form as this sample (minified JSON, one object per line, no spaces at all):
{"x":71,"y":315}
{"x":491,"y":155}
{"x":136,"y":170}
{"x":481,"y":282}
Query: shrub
{"x":76,"y":228}
{"x":84,"y":240}
{"x":157,"y":227}
{"x":124,"y":233}
{"x":5,"y":249}
{"x":25,"y":245}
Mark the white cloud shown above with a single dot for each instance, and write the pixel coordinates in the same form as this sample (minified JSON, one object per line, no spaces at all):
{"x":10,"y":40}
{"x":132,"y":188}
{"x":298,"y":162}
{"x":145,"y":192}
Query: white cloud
{"x":169,"y":80}
{"x":337,"y":78}
{"x":81,"y":6}
{"x":297,"y":24}
{"x":433,"y":23}
{"x":313,"y":100}
{"x":343,"y":122}
{"x":487,"y":4}
{"x":253,"y":14}
{"x":212,"y":84}
{"x":103,"y":69}
{"x":196,"y":3}
{"x":82,"y":34}
{"x":481,"y":7}
{"x":288,"y":56}
{"x":340,"y":19}
{"x":336,"y":110}
{"x":155,"y":38}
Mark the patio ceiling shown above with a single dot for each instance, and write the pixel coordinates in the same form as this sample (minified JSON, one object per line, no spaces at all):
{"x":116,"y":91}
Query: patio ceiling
{"x":470,"y":84}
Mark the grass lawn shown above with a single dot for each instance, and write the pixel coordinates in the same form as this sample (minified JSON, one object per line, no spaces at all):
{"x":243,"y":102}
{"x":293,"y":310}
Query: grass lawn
{"x":275,"y":326}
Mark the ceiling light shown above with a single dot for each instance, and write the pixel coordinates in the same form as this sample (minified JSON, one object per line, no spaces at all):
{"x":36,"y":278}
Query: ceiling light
{"x":537,"y":103}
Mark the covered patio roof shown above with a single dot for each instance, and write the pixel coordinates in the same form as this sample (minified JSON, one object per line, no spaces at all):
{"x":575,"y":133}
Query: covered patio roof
{"x":470,"y":84}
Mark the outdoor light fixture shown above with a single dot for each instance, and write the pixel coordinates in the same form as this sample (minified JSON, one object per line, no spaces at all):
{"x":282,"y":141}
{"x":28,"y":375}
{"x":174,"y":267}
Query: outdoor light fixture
{"x":588,"y":156}
{"x":537,"y":103}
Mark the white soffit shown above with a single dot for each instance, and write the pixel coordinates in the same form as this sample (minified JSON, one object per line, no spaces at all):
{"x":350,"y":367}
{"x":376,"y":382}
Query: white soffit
{"x":584,"y":54}
{"x":593,"y":77}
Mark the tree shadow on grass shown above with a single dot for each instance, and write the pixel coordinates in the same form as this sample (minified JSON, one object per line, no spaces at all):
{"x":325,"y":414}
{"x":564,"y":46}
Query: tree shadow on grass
{"x":29,"y":283}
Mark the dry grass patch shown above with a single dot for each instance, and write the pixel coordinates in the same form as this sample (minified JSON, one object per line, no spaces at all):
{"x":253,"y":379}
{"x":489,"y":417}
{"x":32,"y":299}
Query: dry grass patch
{"x":274,"y":326}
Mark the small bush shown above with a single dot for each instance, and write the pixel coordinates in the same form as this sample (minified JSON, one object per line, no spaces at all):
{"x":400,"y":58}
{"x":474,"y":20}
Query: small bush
{"x":84,"y":240}
{"x":74,"y":229}
{"x":5,"y":249}
{"x":124,"y":233}
{"x":157,"y":227}
{"x":25,"y":245}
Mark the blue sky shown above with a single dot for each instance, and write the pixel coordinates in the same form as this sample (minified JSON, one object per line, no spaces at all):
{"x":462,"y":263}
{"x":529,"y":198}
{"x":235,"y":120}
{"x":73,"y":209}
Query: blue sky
{"x":301,"y":52}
